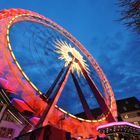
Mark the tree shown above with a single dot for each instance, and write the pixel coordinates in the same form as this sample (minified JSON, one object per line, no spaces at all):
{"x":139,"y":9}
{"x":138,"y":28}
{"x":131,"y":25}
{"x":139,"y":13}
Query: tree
{"x":130,"y":13}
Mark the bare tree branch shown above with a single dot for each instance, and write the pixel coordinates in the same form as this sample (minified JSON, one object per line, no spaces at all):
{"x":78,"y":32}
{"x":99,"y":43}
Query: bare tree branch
{"x":130,"y":13}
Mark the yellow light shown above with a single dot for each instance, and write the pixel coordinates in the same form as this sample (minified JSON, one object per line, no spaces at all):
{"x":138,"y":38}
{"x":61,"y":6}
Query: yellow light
{"x":25,"y":76}
{"x":72,"y":115}
{"x":88,"y":120}
{"x":9,"y":46}
{"x":14,"y":58}
{"x":8,"y":39}
{"x":10,"y":22}
{"x":62,"y":110}
{"x":103,"y":118}
{"x":67,"y":52}
{"x":56,"y":106}
{"x":7,"y":32}
{"x":33,"y":86}
{"x":94,"y":120}
{"x":99,"y":120}
{"x":17,"y":64}
{"x":81,"y":119}
{"x":40,"y":92}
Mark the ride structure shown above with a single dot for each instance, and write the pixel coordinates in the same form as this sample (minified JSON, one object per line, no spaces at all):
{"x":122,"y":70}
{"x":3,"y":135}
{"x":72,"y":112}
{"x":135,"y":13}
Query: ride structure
{"x":75,"y":61}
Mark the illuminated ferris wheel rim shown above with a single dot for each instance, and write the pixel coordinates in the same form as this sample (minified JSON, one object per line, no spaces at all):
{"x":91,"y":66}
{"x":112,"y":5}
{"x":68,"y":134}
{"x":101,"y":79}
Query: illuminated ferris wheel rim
{"x":53,"y":25}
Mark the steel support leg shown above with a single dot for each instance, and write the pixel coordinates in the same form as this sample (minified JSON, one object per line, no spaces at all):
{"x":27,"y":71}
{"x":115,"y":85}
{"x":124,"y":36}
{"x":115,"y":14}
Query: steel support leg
{"x":48,"y":93}
{"x":53,"y":102}
{"x":82,"y":98}
{"x":98,"y":95}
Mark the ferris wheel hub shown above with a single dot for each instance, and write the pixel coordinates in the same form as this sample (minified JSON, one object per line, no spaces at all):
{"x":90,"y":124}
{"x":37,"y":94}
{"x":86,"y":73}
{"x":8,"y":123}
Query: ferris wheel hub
{"x":67,"y":53}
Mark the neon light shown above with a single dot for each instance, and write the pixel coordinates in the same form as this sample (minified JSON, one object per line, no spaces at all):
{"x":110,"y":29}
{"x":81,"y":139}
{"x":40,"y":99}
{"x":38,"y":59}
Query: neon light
{"x":116,"y":124}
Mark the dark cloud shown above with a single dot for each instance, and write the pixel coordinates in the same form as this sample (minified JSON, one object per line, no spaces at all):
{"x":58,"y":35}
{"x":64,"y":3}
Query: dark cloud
{"x":119,"y":58}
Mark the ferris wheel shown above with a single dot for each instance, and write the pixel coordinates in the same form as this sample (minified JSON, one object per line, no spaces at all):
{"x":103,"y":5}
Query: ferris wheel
{"x":41,"y":60}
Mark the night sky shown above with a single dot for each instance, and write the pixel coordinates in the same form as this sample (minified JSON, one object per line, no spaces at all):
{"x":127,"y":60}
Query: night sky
{"x":94,"y":23}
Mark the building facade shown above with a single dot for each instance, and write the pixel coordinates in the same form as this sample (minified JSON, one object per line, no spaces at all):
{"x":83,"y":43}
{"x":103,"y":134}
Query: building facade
{"x":129,"y":110}
{"x":10,"y":125}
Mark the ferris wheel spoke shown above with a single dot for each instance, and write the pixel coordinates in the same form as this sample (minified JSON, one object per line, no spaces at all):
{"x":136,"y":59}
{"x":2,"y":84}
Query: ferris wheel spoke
{"x":82,"y":98}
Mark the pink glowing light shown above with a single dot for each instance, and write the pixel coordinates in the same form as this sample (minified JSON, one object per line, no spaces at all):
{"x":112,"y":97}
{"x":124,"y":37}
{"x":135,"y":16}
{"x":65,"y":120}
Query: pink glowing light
{"x":117,"y":124}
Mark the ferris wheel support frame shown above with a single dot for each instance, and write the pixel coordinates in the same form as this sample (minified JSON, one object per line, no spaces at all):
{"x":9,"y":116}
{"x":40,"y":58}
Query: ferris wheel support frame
{"x":82,"y":98}
{"x":56,"y":97}
{"x":98,"y":95}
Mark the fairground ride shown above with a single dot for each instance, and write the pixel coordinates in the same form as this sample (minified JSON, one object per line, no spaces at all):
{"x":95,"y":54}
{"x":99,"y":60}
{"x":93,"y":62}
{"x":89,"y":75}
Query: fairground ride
{"x":37,"y":59}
